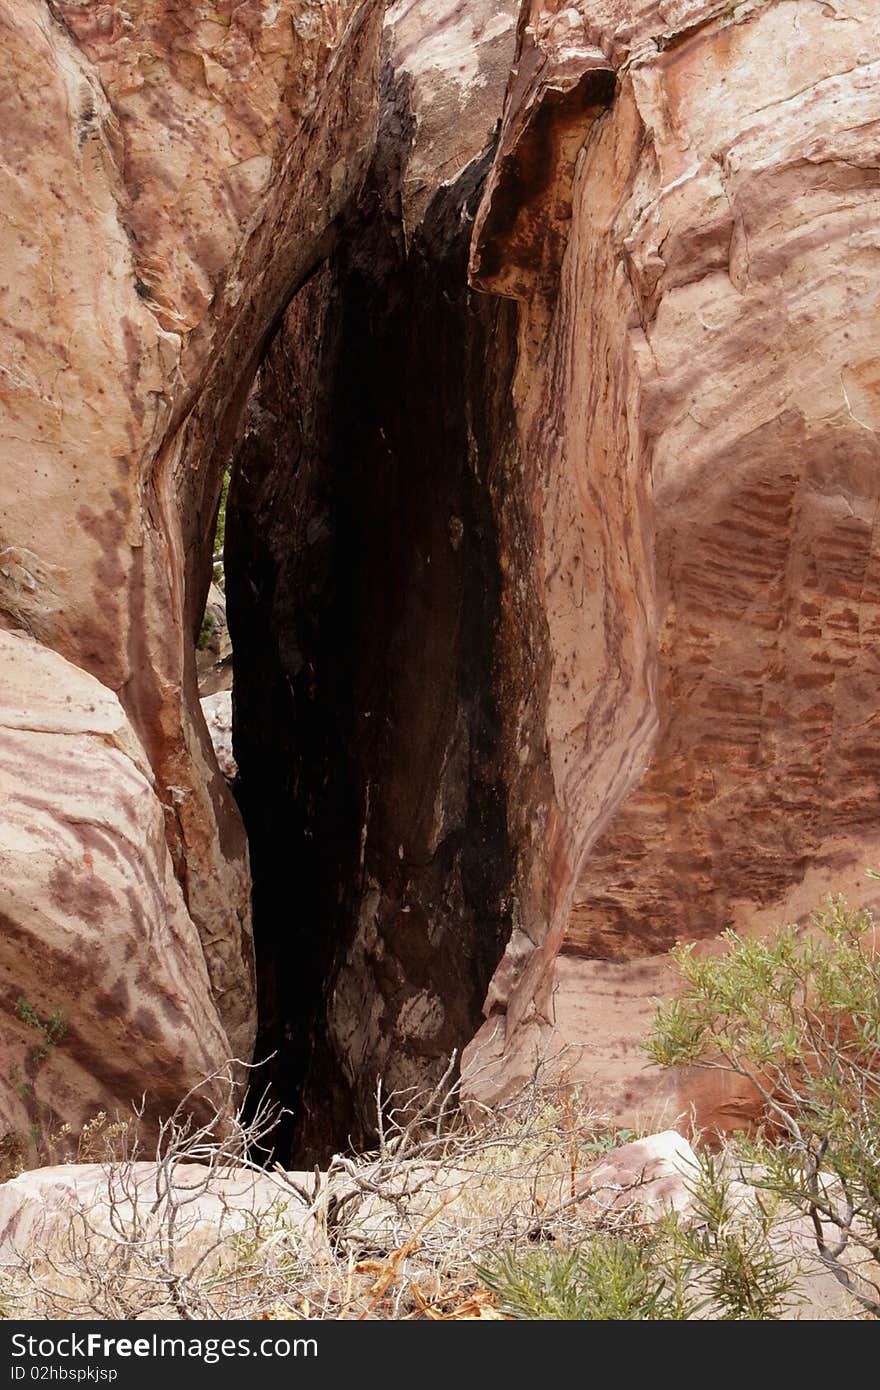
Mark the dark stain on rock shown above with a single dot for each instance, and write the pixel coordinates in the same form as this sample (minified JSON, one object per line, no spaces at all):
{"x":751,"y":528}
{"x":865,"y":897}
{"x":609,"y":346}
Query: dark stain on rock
{"x":363,"y":596}
{"x":82,"y":896}
{"x":523,"y":233}
{"x":114,"y":1001}
{"x":148,"y":1025}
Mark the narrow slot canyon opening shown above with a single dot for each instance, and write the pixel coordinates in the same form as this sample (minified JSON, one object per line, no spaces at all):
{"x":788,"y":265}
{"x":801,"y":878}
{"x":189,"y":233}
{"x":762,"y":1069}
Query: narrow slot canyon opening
{"x":214,"y":648}
{"x":362,"y":591}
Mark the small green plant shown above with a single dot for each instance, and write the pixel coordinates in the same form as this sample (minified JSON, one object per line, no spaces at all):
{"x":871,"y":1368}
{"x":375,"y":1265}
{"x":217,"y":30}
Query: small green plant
{"x":724,"y":1252}
{"x":608,"y":1278}
{"x":50,"y":1032}
{"x":798,"y":1016}
{"x":717,"y":1263}
{"x":206,"y":632}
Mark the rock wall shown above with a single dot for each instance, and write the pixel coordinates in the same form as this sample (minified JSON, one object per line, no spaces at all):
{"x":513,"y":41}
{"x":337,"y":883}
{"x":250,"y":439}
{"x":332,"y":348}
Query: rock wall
{"x":560,"y":593}
{"x":684,"y":204}
{"x":551,"y":562}
{"x":170,"y":175}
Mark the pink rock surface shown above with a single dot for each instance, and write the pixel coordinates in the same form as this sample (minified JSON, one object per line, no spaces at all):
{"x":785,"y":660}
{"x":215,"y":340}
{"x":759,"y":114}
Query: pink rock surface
{"x":94,"y":923}
{"x":169,"y":176}
{"x":698,"y":401}
{"x":36,"y":1208}
{"x":663,"y":425}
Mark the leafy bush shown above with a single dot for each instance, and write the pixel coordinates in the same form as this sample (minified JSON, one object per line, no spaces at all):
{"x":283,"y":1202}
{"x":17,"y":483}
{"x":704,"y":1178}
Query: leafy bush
{"x":798,"y":1016}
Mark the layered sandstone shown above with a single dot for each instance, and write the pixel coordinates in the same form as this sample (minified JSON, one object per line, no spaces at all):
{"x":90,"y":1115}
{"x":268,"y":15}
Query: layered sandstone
{"x":697,"y":402}
{"x":170,"y":174}
{"x":94,"y":923}
{"x":557,"y":596}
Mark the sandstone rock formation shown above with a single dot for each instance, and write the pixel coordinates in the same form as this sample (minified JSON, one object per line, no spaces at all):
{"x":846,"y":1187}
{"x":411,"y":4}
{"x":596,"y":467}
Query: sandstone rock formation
{"x":217,"y":709}
{"x":170,"y":175}
{"x":36,"y":1207}
{"x":551,"y":558}
{"x":684,"y":204}
{"x":552,"y":603}
{"x":94,"y":922}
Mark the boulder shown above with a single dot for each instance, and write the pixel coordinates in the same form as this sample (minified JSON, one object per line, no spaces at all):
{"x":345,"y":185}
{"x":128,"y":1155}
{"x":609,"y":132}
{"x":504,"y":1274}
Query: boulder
{"x":217,"y":709}
{"x":95,"y":926}
{"x":655,"y":1174}
{"x":37,"y":1209}
{"x":655,"y":1177}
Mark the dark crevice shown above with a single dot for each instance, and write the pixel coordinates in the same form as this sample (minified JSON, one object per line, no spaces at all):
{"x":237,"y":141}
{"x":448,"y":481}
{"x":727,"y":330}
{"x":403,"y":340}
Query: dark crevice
{"x":363,"y":594}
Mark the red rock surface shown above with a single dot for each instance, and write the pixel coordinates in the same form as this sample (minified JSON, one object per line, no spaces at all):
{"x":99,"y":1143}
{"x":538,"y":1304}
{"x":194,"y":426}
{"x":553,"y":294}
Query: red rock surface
{"x":675,"y":253}
{"x":169,"y":176}
{"x":698,"y":402}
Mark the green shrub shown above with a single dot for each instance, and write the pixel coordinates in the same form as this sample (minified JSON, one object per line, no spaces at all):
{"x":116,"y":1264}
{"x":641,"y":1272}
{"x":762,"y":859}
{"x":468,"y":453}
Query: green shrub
{"x":716,"y":1263}
{"x":607,"y":1279}
{"x":206,"y":632}
{"x":51,"y":1030}
{"x":723,"y":1252}
{"x":798,"y":1016}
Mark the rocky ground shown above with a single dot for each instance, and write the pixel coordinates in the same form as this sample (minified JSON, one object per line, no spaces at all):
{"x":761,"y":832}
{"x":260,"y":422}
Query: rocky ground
{"x":414,"y":1234}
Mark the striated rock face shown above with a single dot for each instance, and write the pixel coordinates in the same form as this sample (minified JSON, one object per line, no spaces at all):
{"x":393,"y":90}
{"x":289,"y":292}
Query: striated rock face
{"x":170,"y":175}
{"x":552,"y":602}
{"x":685,"y":203}
{"x":93,"y":919}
